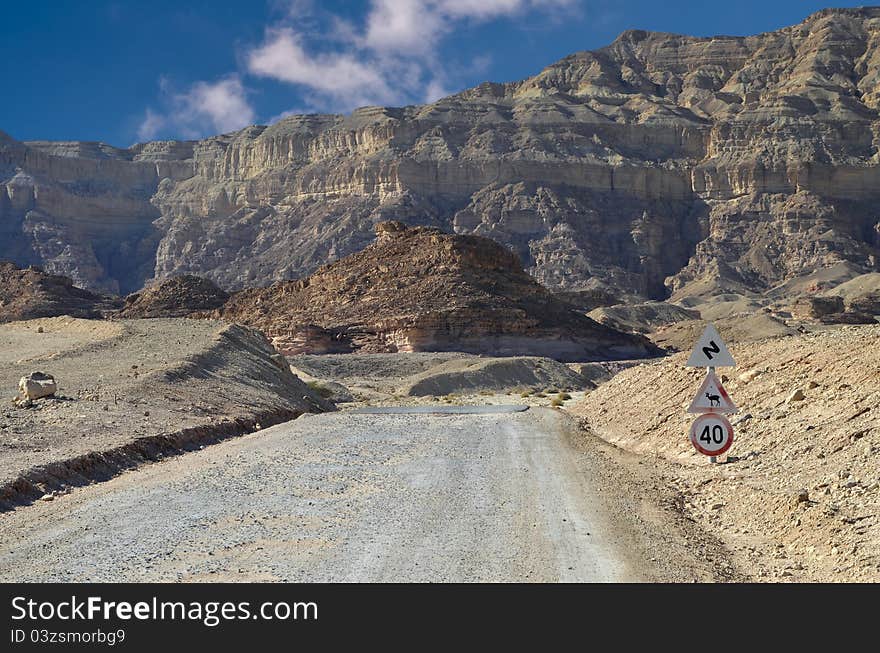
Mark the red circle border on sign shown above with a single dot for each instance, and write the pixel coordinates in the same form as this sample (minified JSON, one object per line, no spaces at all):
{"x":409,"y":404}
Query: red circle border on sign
{"x":694,"y":430}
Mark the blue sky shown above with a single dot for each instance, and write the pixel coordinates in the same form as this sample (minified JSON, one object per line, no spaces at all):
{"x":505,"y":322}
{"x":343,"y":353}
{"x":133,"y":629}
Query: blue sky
{"x":126,"y":71}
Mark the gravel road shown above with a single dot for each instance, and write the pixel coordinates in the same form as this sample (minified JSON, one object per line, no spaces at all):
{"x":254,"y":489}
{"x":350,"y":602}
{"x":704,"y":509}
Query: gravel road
{"x":344,"y":497}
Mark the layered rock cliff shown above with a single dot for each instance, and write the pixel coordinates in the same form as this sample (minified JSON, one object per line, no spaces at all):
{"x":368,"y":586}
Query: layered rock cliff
{"x":657,"y":164}
{"x":418,"y":289}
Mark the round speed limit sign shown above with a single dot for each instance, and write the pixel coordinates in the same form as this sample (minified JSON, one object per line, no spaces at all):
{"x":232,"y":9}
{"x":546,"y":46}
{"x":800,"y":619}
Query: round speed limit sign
{"x":711,"y":434}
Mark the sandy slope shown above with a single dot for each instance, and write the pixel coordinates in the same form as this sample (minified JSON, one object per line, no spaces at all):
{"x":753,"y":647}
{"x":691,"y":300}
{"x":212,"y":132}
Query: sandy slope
{"x":799,"y":496}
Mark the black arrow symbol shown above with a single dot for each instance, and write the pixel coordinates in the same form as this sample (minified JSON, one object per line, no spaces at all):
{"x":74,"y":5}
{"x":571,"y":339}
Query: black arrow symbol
{"x":712,"y":349}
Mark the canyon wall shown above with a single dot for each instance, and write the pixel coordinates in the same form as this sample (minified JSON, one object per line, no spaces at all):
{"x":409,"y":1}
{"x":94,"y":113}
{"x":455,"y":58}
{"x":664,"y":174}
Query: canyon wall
{"x":654,"y":165}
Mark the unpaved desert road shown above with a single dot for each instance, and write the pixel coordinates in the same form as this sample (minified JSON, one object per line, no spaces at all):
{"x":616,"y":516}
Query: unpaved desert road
{"x":338,"y":497}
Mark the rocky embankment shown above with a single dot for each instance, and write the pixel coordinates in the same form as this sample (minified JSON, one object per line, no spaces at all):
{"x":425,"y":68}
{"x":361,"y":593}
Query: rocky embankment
{"x":418,"y":289}
{"x":798,"y":496}
{"x":660,"y":162}
{"x":130,"y":392}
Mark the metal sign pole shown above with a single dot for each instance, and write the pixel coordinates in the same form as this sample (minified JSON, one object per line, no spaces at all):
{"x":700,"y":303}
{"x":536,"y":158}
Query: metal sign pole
{"x":712,"y":459}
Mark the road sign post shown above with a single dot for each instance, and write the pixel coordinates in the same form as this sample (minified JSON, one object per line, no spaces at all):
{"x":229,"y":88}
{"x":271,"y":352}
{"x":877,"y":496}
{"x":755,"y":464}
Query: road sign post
{"x":712,"y":459}
{"x":711,"y":433}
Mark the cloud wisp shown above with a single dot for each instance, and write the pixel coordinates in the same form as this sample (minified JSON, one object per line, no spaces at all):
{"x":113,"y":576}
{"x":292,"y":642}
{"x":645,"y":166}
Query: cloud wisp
{"x":337,"y":76}
{"x":220,"y":106}
{"x":389,"y":56}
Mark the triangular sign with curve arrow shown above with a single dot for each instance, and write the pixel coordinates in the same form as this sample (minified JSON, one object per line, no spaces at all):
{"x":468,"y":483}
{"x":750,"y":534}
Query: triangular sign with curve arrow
{"x":710,"y":351}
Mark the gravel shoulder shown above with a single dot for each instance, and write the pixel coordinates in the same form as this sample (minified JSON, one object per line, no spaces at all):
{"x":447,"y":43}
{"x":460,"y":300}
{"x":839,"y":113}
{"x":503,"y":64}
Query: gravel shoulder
{"x":343,"y":497}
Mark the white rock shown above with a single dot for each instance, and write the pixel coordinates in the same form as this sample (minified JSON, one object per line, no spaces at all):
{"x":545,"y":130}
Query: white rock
{"x":36,"y":385}
{"x":748,"y":376}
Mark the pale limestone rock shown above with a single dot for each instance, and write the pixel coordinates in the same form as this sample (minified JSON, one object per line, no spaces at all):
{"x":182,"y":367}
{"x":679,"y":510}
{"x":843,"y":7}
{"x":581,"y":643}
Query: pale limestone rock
{"x":36,"y":385}
{"x":658,"y":162}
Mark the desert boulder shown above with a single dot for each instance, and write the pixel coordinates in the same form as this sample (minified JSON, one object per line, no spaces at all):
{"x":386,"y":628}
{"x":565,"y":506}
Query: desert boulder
{"x":36,"y":385}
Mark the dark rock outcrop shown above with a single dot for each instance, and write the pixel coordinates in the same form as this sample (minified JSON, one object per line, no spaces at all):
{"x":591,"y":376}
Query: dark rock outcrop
{"x":847,"y":317}
{"x":175,"y":297}
{"x":868,"y":303}
{"x":818,"y":306}
{"x":31,"y":293}
{"x":418,"y":289}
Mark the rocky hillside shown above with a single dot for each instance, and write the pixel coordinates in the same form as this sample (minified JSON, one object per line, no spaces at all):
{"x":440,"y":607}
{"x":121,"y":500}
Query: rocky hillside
{"x":174,"y":297}
{"x":418,"y":289}
{"x":658,"y":163}
{"x":798,"y":494}
{"x":31,"y":293}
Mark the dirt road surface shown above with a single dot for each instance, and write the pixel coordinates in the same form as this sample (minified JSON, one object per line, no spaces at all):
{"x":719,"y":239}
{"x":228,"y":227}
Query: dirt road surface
{"x":380,"y":497}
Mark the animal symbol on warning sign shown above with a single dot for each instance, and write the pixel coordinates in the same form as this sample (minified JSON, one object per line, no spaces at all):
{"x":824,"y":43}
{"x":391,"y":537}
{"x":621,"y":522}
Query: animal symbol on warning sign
{"x":712,"y":397}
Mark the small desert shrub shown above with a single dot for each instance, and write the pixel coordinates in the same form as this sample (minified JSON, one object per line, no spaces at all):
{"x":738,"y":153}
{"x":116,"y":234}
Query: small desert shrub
{"x":540,"y":395}
{"x":525,"y":394}
{"x":557,"y":402}
{"x":564,"y":396}
{"x":322,"y":390}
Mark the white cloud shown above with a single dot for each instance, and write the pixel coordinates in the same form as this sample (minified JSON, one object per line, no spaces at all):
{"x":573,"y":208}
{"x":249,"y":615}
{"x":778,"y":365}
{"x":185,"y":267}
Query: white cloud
{"x":204,"y":108}
{"x":417,"y":26}
{"x":391,"y":59}
{"x":152,"y":124}
{"x":285,"y":114}
{"x":435,"y":90}
{"x":222,"y":103}
{"x":340,"y":75}
{"x":404,"y":26}
{"x":482,"y":8}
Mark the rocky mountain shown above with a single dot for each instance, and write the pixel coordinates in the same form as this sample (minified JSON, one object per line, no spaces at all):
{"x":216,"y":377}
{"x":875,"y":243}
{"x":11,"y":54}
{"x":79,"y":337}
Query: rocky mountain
{"x":418,"y":289}
{"x":31,"y":293}
{"x":174,"y":297}
{"x":658,"y":164}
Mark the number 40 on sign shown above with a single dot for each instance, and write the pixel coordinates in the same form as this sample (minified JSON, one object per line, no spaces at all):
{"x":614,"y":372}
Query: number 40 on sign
{"x":711,"y":434}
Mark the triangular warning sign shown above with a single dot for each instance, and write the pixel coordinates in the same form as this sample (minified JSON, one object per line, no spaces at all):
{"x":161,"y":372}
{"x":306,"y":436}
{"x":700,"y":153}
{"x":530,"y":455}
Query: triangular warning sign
{"x":710,"y":351}
{"x":712,"y":397}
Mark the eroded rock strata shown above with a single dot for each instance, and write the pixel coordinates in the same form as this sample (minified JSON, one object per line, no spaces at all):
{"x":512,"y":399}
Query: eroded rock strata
{"x":418,"y":289}
{"x":655,"y":164}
